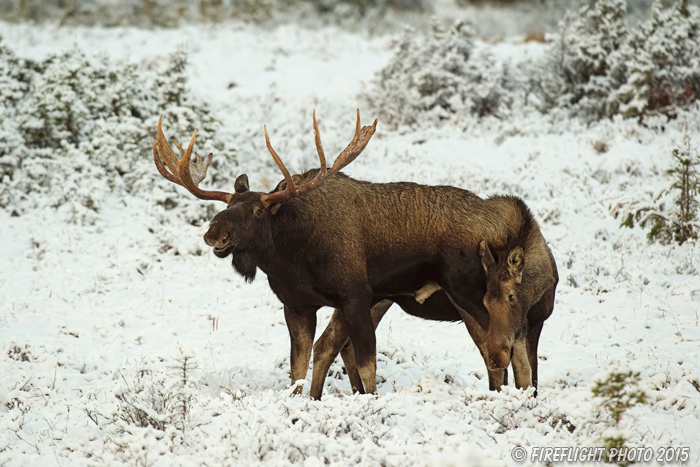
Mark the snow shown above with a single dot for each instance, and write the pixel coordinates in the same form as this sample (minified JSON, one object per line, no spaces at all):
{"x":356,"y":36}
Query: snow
{"x":86,"y":311}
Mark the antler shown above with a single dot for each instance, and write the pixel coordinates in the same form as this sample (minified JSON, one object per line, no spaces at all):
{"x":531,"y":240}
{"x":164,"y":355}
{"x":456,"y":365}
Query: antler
{"x":349,"y":154}
{"x":182,"y":170}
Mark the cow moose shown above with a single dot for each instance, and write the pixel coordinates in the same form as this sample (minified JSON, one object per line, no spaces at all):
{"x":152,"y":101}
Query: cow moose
{"x":509,"y":290}
{"x":325,"y":239}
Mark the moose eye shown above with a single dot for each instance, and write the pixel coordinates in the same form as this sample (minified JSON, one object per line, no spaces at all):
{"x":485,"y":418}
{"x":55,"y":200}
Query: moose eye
{"x":511,"y":298}
{"x":258,"y":212}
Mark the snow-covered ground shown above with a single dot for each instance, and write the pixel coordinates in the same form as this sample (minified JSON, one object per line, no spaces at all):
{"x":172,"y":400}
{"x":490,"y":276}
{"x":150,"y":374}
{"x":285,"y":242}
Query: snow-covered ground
{"x":94,"y":317}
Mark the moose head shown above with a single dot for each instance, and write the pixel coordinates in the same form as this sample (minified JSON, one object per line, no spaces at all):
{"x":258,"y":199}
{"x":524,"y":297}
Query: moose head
{"x":505,"y":301}
{"x":243,"y":228}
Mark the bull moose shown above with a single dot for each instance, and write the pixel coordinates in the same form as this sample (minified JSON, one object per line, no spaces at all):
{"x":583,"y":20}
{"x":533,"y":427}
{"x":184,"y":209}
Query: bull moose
{"x":325,"y":239}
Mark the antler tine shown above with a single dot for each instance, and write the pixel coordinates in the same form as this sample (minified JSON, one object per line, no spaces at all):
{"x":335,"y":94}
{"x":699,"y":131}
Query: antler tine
{"x":356,"y":146}
{"x":183,"y":166}
{"x":163,"y":152}
{"x":280,"y":164}
{"x":180,"y":169}
{"x":319,"y":147}
{"x":349,"y":154}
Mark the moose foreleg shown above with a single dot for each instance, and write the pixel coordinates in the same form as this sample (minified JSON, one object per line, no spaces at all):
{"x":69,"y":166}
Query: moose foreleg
{"x":302,"y":328}
{"x":358,"y":323}
{"x":335,"y":339}
{"x":522,"y":372}
{"x":497,"y":378}
{"x":536,"y":316}
{"x":348,"y":352}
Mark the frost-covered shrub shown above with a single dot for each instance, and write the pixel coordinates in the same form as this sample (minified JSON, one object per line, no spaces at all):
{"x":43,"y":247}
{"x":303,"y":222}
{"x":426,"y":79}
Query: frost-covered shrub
{"x":157,"y":397}
{"x":661,"y":71}
{"x":436,"y":77}
{"x":15,"y":79}
{"x":598,"y":67}
{"x":581,"y":68}
{"x":143,"y":13}
{"x":367,"y":7}
{"x":174,"y":13}
{"x":76,"y":129}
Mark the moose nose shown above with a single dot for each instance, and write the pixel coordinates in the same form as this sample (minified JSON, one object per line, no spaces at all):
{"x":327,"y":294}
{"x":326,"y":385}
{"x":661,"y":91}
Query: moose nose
{"x":216,"y":243}
{"x":214,"y":237}
{"x":500,"y":358}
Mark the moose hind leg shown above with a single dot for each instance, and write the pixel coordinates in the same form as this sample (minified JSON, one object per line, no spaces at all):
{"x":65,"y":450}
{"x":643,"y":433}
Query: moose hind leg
{"x":326,"y":348}
{"x":335,"y":339}
{"x":301,"y":327}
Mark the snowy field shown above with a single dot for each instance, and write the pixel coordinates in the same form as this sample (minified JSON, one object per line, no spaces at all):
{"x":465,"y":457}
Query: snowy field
{"x":100,"y":316}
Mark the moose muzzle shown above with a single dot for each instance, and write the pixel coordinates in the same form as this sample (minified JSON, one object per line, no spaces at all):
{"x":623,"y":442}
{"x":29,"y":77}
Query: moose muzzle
{"x":217,"y":236}
{"x":500,"y":353}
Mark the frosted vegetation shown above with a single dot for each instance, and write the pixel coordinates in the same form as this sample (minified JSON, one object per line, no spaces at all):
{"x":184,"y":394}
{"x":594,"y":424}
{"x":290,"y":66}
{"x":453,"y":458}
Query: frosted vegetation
{"x":69,"y":118}
{"x":90,"y":114}
{"x":594,"y":69}
{"x":122,"y":340}
{"x":495,"y":17}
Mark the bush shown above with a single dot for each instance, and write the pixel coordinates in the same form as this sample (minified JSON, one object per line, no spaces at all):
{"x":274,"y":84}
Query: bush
{"x":435,"y":77}
{"x":151,"y":396}
{"x":368,"y":9}
{"x":580,"y":70}
{"x":599,"y":68}
{"x":76,"y":129}
{"x":681,"y":222}
{"x":174,"y":13}
{"x":140,"y":13}
{"x":661,"y":71}
{"x":616,"y":394}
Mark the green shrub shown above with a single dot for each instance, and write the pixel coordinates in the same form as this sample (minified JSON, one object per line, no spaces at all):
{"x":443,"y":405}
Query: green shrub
{"x":680,"y":222}
{"x":616,"y":394}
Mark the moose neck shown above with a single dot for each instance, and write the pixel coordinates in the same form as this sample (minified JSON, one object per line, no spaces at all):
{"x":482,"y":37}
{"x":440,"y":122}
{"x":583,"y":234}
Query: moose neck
{"x":286,"y":253}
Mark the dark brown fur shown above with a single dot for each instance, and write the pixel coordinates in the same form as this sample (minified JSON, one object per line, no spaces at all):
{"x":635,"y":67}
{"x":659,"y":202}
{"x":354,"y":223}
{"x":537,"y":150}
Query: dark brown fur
{"x":533,"y":301}
{"x":351,"y":244}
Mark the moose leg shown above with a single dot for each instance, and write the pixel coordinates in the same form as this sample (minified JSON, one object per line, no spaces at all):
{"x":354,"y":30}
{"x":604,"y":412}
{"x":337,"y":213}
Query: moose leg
{"x":302,"y":327}
{"x":497,"y":378}
{"x":335,"y":339}
{"x":358,"y":323}
{"x":521,"y":364}
{"x":348,"y":352}
{"x":326,"y":349}
{"x":533,"y":338}
{"x":537,"y":314}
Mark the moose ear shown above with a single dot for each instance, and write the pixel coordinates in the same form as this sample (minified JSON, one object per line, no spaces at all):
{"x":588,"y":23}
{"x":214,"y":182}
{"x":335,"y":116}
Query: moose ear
{"x":486,"y":257}
{"x":241,"y":184}
{"x":516,"y":263}
{"x":296,"y":178}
